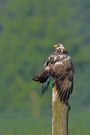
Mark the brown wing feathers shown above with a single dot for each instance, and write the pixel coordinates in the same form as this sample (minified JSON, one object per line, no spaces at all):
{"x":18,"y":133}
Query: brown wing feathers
{"x":59,"y":67}
{"x":41,"y":77}
{"x":64,"y":89}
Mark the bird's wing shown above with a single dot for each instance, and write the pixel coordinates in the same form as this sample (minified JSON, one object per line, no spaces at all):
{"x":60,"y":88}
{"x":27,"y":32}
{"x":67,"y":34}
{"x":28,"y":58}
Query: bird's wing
{"x":50,"y":61}
{"x":57,"y":70}
{"x":62,"y":72}
{"x":42,"y":76}
{"x":65,"y":90}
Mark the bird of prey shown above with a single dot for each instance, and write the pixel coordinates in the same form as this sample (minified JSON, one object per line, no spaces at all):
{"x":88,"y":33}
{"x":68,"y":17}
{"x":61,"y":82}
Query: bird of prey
{"x":58,"y":67}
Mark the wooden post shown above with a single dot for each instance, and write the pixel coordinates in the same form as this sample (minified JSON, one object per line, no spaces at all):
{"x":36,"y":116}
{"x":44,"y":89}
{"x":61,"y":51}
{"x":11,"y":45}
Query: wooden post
{"x":60,"y":113}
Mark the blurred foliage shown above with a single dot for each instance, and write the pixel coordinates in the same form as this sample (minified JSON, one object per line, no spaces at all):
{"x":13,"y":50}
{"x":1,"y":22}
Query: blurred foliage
{"x":28,"y":30}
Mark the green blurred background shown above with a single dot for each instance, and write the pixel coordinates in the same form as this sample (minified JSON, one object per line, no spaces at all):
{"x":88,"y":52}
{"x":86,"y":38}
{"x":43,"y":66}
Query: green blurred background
{"x":28,"y":30}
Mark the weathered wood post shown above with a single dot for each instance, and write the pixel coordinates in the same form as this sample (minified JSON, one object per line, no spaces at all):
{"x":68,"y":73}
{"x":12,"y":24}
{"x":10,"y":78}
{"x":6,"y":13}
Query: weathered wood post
{"x":60,"y":113}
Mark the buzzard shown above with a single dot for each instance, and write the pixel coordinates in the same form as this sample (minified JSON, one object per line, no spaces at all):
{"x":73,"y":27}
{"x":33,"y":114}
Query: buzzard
{"x":58,"y":67}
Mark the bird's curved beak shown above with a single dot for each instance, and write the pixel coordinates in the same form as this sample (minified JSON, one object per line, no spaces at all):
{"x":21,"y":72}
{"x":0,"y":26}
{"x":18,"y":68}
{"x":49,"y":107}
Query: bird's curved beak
{"x":55,"y":46}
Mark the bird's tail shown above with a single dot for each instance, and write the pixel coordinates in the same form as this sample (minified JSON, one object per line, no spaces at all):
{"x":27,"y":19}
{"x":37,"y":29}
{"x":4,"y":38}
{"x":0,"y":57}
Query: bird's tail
{"x":41,"y":77}
{"x":64,"y":90}
{"x":45,"y":85}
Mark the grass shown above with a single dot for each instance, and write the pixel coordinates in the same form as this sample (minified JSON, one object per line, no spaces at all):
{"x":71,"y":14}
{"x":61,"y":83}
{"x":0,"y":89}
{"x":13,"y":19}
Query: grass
{"x":23,"y":123}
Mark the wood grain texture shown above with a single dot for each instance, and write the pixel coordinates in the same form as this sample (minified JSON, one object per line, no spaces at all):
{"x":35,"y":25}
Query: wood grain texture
{"x":60,"y":113}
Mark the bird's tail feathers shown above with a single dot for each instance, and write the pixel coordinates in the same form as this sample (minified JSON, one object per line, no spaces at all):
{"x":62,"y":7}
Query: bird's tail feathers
{"x":45,"y":85}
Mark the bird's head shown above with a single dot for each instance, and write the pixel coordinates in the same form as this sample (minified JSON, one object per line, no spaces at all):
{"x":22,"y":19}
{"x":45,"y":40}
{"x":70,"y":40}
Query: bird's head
{"x":60,"y":49}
